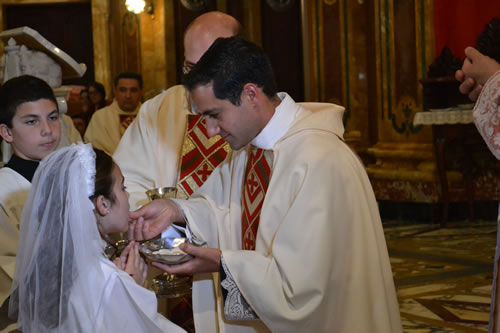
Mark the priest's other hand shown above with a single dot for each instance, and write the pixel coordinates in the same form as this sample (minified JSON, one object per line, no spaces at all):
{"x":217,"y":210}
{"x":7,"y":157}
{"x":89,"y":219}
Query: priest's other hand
{"x":468,"y":85}
{"x":206,"y":260}
{"x":476,"y":70}
{"x":152,"y":219}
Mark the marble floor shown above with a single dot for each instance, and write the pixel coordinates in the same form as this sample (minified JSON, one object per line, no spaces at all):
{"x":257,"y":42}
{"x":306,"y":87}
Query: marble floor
{"x":443,"y":276}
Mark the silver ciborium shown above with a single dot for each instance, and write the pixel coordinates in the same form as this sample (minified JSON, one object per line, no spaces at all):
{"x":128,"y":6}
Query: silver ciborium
{"x":168,"y":285}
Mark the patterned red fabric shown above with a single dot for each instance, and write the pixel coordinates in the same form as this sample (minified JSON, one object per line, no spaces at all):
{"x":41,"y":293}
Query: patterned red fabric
{"x":200,"y":155}
{"x":125,"y":121}
{"x":257,"y":176}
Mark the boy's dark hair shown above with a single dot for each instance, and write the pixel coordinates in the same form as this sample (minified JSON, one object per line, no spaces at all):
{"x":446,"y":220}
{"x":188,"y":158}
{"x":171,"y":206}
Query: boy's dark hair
{"x":229,"y":64}
{"x":103,"y":181}
{"x":19,"y":90}
{"x":129,"y":75}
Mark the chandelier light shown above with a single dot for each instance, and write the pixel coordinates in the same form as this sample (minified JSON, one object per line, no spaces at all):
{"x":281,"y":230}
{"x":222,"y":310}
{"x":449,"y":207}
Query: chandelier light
{"x":138,"y":6}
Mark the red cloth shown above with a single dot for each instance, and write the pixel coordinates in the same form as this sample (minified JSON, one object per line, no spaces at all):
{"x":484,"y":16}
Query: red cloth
{"x":457,"y":24}
{"x":257,"y":176}
{"x":125,"y":121}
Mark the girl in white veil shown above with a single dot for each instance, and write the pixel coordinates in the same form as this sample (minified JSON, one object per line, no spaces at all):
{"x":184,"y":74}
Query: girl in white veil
{"x":63,"y":282}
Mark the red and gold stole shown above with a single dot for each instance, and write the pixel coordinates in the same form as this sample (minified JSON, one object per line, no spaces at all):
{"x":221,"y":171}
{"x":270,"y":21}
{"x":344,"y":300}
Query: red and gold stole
{"x":257,"y":176}
{"x":200,"y":155}
{"x":125,"y":121}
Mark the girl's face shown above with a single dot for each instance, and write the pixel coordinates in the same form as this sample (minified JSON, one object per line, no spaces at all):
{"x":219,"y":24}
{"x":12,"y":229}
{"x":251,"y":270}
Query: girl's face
{"x":117,"y":218}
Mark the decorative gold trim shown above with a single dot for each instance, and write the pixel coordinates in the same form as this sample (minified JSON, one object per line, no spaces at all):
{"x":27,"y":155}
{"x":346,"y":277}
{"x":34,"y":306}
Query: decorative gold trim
{"x":392,"y":55}
{"x":418,"y":51}
{"x":101,"y":39}
{"x":343,"y":61}
{"x":308,"y":42}
{"x":429,"y":32}
{"x":252,"y":21}
{"x":378,"y":60}
{"x":170,"y":55}
{"x":321,"y":37}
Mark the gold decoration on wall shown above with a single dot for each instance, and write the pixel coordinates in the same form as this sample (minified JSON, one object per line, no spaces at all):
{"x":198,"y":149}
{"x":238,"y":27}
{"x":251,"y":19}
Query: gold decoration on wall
{"x":131,"y":41}
{"x":407,"y":106}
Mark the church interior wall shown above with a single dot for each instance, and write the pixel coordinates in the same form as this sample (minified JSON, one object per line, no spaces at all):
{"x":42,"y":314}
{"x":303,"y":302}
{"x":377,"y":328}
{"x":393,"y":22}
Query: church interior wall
{"x":367,"y":55}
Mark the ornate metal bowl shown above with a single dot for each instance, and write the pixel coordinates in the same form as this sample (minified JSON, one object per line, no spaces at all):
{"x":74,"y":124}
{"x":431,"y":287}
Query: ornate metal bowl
{"x":165,"y":250}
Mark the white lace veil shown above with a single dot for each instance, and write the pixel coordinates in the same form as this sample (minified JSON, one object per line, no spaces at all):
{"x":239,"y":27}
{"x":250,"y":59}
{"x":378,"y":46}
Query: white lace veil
{"x":59,"y":242}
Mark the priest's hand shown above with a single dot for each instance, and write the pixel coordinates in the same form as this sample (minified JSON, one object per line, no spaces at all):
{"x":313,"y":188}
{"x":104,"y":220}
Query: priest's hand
{"x":206,"y":260}
{"x":468,"y":86}
{"x":476,"y":70}
{"x":152,"y":219}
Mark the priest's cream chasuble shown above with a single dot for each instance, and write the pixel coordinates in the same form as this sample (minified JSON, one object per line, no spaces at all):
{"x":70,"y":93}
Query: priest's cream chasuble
{"x":320,"y":262}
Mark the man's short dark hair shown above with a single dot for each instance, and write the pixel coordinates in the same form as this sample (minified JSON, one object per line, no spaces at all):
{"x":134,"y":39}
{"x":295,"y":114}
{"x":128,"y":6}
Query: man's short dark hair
{"x":229,"y":64}
{"x":19,"y":90}
{"x":129,"y":75}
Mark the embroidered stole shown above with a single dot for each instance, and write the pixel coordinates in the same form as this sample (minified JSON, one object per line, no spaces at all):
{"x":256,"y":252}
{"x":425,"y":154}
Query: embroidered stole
{"x":125,"y":121}
{"x":200,"y":155}
{"x":257,"y":176}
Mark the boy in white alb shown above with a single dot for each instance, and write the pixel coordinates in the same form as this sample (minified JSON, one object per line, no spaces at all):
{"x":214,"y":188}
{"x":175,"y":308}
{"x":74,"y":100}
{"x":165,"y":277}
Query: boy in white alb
{"x":29,"y":122}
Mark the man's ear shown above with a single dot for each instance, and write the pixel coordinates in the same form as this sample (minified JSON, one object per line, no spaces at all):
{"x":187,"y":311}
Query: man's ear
{"x":6,"y":133}
{"x":102,"y":205}
{"x":251,"y":91}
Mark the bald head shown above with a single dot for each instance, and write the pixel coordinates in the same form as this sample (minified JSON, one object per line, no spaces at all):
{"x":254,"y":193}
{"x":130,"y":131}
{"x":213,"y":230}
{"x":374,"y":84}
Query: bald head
{"x":203,"y":31}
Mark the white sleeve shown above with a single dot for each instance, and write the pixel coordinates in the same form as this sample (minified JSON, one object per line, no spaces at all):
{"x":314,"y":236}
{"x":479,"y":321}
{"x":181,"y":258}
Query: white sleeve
{"x":487,"y":114}
{"x":135,"y":154}
{"x":128,"y":307}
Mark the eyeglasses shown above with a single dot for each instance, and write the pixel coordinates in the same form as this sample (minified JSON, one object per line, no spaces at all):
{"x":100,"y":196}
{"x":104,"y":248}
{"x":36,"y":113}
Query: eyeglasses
{"x":187,"y":67}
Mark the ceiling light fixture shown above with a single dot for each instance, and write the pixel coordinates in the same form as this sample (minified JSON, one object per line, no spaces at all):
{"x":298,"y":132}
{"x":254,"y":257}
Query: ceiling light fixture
{"x":138,"y":6}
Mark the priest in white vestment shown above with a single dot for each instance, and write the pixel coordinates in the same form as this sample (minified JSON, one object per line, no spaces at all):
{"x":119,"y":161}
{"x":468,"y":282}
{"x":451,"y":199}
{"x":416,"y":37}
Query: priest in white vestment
{"x":107,"y":125}
{"x":315,"y":258}
{"x":150,"y":151}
